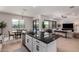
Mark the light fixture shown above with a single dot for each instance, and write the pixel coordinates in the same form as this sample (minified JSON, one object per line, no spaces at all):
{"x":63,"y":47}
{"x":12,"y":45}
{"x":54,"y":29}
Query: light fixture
{"x":64,"y":16}
{"x":23,"y":11}
{"x":72,"y":7}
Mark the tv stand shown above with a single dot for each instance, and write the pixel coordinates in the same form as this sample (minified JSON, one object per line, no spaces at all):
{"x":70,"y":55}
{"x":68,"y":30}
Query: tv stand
{"x":67,"y":29}
{"x":62,"y":32}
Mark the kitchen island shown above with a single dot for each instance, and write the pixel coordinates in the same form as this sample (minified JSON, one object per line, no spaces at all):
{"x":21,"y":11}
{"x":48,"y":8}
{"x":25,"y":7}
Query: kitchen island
{"x":41,"y":44}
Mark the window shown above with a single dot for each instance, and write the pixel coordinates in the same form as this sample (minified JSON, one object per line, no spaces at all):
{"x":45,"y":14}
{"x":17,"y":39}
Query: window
{"x":54,"y":24}
{"x":47,"y":24}
{"x":18,"y":23}
{"x":50,"y":24}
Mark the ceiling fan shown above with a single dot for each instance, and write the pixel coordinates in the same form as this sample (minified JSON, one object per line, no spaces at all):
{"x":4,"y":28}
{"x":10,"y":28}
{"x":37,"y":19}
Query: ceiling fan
{"x":64,"y":16}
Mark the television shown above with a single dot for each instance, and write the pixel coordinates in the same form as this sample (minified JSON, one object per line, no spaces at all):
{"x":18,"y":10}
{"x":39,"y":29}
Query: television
{"x":67,"y":26}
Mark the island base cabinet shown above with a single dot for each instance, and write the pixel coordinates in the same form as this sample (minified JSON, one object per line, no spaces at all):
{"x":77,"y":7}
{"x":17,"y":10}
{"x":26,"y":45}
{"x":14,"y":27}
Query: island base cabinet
{"x":38,"y":48}
{"x":36,"y":45}
{"x":29,"y":42}
{"x":52,"y":47}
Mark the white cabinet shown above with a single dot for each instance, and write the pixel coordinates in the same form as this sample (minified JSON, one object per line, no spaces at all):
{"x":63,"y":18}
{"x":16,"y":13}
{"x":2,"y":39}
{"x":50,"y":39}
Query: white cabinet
{"x":0,"y":47}
{"x":36,"y":45}
{"x":28,"y":42}
{"x":38,"y":48}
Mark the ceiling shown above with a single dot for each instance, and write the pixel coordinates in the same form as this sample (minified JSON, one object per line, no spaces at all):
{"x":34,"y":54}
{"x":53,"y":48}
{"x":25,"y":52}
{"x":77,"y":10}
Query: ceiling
{"x":40,"y":10}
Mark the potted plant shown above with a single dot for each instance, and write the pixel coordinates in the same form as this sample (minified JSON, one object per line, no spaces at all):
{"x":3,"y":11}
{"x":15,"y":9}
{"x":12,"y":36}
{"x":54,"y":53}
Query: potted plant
{"x":43,"y":25}
{"x":59,"y":25}
{"x":2,"y":26}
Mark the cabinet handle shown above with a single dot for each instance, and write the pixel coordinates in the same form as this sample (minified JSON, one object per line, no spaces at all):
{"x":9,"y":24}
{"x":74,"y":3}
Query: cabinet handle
{"x":37,"y":47}
{"x":27,"y":40}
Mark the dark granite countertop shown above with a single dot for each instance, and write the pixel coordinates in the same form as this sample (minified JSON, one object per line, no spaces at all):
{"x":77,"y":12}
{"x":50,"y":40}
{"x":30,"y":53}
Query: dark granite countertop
{"x":46,"y":40}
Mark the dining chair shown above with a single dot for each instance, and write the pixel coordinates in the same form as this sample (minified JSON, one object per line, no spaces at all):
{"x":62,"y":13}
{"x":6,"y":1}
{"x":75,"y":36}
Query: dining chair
{"x":11,"y":35}
{"x":18,"y":33}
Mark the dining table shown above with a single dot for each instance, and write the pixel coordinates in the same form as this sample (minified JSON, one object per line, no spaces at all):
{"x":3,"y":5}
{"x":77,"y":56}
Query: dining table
{"x":14,"y":32}
{"x":18,"y":33}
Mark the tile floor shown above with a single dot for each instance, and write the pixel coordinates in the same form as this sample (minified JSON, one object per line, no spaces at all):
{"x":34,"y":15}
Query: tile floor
{"x":63,"y":45}
{"x":68,"y":45}
{"x":22,"y":49}
{"x":13,"y":46}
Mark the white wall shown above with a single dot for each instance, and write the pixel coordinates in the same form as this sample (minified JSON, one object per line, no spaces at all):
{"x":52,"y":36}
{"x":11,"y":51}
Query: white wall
{"x":8,"y":19}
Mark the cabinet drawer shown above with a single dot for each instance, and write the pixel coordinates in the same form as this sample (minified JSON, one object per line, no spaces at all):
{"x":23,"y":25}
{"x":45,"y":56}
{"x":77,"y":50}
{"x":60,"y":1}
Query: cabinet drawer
{"x":41,"y":43}
{"x":36,"y":41}
{"x":39,"y":48}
